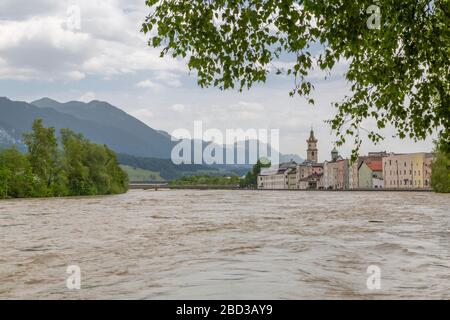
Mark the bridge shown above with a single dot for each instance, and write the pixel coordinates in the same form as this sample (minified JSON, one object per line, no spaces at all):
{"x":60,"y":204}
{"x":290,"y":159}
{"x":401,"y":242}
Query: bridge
{"x":149,"y":186}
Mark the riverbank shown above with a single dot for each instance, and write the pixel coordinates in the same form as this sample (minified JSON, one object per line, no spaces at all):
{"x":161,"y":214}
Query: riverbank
{"x":150,"y":186}
{"x":157,"y":187}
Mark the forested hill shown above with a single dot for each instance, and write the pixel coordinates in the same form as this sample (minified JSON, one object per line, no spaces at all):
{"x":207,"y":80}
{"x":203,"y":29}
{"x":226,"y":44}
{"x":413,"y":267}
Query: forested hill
{"x":168,"y":170}
{"x":99,"y":122}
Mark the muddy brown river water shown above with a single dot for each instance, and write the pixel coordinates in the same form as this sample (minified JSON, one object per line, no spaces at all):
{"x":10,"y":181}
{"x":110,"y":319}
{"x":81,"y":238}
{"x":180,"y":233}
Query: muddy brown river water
{"x":194,"y":244}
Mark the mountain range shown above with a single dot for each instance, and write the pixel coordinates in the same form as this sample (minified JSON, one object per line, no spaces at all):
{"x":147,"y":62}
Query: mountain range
{"x":98,"y":121}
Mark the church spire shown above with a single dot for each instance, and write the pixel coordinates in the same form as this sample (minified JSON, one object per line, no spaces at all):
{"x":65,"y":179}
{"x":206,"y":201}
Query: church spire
{"x":311,"y":134}
{"x":312,"y":148}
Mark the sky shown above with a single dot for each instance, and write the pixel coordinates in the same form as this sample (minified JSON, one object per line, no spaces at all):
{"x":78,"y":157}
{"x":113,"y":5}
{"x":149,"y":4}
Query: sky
{"x":45,"y":51}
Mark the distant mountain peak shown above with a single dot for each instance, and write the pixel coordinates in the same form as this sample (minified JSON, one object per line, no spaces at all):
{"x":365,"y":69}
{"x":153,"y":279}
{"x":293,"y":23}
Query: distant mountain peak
{"x":96,"y":102}
{"x":99,"y":121}
{"x":44,"y":100}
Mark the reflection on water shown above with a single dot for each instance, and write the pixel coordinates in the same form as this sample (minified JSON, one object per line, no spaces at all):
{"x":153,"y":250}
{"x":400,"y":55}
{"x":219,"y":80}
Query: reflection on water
{"x":227,"y":244}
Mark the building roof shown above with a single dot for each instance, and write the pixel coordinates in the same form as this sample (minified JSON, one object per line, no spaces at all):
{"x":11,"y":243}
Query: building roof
{"x":307,"y":163}
{"x":317,"y":165}
{"x":378,"y":154}
{"x":280,"y":169}
{"x":312,"y":177}
{"x":268,"y":171}
{"x":290,"y":164}
{"x":338,"y":159}
{"x":426,"y":154}
{"x":374,"y":165}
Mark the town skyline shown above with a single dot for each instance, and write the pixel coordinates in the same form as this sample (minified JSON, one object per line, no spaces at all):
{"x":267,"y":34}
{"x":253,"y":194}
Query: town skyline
{"x":375,"y":170}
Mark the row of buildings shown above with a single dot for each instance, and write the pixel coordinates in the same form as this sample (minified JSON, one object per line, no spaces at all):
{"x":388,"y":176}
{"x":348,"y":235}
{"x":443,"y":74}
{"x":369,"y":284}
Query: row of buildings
{"x":377,"y":170}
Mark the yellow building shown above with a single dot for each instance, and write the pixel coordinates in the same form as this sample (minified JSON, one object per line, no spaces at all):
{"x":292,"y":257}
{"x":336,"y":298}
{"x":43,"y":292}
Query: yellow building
{"x":407,"y":171}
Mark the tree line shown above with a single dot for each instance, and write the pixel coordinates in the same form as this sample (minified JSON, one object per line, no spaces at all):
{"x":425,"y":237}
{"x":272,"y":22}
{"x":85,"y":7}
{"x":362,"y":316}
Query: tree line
{"x":440,"y":169}
{"x":205,"y":180}
{"x":52,"y":167}
{"x":250,"y":179}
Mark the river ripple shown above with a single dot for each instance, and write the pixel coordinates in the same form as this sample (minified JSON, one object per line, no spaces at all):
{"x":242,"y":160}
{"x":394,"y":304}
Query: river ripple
{"x":191,"y":244}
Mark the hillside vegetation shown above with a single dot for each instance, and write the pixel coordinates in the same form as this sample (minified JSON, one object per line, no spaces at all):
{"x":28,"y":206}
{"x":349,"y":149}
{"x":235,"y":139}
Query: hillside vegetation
{"x":202,"y":180}
{"x":74,"y":167}
{"x":440,"y":172}
{"x":141,"y":175}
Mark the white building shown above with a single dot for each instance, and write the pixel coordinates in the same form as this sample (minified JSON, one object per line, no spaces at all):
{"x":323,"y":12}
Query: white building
{"x":276,"y":178}
{"x":377,"y":182}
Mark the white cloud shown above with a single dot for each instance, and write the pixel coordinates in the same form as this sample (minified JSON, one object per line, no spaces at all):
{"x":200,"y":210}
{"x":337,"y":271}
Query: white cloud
{"x":178,"y":107}
{"x":108,"y":43}
{"x":161,"y":80}
{"x":144,"y":115}
{"x":22,"y":9}
{"x":149,"y":84}
{"x":87,"y":97}
{"x":169,"y":78}
{"x":76,"y":75}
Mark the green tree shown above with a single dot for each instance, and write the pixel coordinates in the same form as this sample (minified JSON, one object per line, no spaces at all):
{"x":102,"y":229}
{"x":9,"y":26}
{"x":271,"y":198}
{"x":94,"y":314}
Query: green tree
{"x":91,"y":168}
{"x":204,"y":180}
{"x":80,"y":168}
{"x":77,"y":173}
{"x":43,"y":156}
{"x":118,"y":178}
{"x":440,"y":170}
{"x":399,"y":69}
{"x":16,"y":178}
{"x":5,"y":179}
{"x":251,"y":177}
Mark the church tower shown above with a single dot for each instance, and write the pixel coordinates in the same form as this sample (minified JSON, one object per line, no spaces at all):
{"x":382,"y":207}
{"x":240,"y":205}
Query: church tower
{"x":312,"y":148}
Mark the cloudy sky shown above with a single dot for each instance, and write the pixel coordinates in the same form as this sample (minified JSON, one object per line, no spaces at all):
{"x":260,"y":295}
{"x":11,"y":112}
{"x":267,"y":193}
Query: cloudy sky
{"x":45,"y":51}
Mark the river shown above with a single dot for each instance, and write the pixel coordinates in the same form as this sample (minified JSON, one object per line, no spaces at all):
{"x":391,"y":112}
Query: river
{"x":194,"y":244}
